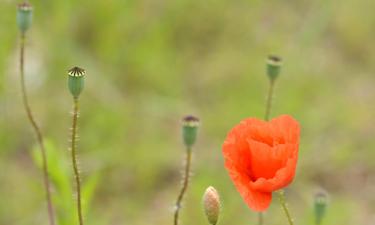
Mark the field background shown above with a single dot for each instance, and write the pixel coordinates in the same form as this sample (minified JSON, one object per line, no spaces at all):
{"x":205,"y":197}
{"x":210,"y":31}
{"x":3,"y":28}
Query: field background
{"x":149,"y":63}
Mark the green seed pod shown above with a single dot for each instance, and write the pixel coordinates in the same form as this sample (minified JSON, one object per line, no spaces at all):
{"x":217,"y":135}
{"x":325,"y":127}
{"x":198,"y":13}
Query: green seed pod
{"x":320,"y":205}
{"x":24,"y":16}
{"x":76,"y":81}
{"x":189,"y":130}
{"x":273,"y":67}
{"x":211,"y":205}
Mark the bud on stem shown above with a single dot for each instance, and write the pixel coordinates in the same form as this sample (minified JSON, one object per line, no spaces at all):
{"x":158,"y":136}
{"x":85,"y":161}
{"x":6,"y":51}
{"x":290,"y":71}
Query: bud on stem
{"x":189,"y":130}
{"x":320,"y":205}
{"x":24,"y":16}
{"x":76,"y":81}
{"x":211,"y":205}
{"x":273,"y":67}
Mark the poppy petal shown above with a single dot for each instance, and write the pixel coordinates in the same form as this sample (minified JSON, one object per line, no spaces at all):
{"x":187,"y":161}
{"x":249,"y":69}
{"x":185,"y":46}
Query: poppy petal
{"x":261,"y":157}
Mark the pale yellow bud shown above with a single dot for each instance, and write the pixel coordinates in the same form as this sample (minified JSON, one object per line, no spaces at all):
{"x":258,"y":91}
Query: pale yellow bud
{"x":211,"y":205}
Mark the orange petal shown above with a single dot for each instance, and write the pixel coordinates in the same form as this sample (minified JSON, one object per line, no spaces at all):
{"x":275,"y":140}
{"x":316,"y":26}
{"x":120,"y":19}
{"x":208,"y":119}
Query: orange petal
{"x":286,"y":128}
{"x":282,"y":178}
{"x":257,"y":201}
{"x":267,"y":160}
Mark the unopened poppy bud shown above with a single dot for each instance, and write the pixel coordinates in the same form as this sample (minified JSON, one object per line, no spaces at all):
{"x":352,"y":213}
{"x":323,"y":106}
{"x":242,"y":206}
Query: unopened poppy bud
{"x":76,"y":81}
{"x":24,"y":16}
{"x":320,"y":205}
{"x":211,"y":205}
{"x":273,"y":67}
{"x":189,"y":130}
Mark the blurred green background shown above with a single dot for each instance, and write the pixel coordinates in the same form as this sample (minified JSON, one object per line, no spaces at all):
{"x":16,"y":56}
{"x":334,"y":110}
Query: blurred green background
{"x":149,"y":63}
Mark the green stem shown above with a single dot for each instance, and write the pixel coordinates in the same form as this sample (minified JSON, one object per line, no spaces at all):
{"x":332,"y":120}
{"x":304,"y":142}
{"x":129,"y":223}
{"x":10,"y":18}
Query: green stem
{"x":260,"y":218}
{"x":37,"y":131}
{"x":75,"y":160}
{"x":269,"y":100}
{"x":184,"y":187}
{"x":285,"y":206}
{"x":266,"y":117}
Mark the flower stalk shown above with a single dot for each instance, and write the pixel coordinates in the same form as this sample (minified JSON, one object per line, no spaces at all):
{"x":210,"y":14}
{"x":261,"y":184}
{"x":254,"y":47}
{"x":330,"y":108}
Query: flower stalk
{"x":273,"y":71}
{"x":284,"y":205}
{"x":260,"y":218}
{"x":185,"y":184}
{"x":75,"y":160}
{"x":75,"y":84}
{"x":269,"y":100}
{"x":24,"y":15}
{"x":189,"y":133}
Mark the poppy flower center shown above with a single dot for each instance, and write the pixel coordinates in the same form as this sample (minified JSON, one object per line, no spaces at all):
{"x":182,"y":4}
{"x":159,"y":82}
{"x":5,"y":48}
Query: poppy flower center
{"x":266,"y":158}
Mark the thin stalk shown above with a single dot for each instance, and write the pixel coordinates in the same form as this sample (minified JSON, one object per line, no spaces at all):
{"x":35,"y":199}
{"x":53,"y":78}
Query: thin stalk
{"x":266,"y":117}
{"x":269,"y":100}
{"x":285,"y":206}
{"x":184,"y":187}
{"x":37,"y":131}
{"x":75,"y":160}
{"x":260,"y":218}
{"x":281,"y":192}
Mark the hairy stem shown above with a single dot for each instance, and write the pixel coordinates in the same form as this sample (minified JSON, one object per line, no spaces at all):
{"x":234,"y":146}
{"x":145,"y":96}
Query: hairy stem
{"x":37,"y":132}
{"x":285,"y":206}
{"x":269,"y":100}
{"x":75,"y":160}
{"x":184,"y":187}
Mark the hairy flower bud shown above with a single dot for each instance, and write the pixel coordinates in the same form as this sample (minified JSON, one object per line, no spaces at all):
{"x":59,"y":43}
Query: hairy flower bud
{"x":211,"y":205}
{"x":189,"y":130}
{"x":320,"y":204}
{"x":24,"y":16}
{"x":76,"y":81}
{"x":273,"y":67}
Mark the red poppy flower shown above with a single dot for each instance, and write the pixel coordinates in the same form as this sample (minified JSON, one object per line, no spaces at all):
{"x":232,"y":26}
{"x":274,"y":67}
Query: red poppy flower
{"x":261,"y":157}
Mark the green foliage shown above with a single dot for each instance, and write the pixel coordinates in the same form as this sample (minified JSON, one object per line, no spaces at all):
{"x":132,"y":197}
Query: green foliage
{"x":61,"y":176}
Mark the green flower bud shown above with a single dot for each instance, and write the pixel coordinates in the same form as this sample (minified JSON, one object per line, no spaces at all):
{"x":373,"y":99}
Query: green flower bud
{"x":320,"y":204}
{"x":24,"y":16}
{"x":211,"y":205}
{"x":273,"y":67}
{"x":76,"y":81}
{"x":189,"y":130}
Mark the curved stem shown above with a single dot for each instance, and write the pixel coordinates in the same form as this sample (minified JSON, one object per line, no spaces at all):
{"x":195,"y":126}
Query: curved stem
{"x":269,"y":100}
{"x":37,"y":132}
{"x":285,"y":206}
{"x":75,"y":161}
{"x":185,"y":185}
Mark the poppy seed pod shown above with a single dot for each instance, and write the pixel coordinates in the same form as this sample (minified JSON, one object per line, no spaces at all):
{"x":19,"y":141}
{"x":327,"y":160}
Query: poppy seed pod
{"x":189,"y":130}
{"x":320,"y":204}
{"x":273,"y":67}
{"x":24,"y":16}
{"x":76,"y":81}
{"x":211,"y":205}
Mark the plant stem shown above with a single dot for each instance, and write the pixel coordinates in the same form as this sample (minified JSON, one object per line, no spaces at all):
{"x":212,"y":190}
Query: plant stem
{"x":260,"y":218}
{"x":284,"y":206}
{"x":75,"y":161}
{"x":269,"y":100}
{"x":281,"y":192}
{"x":266,"y":117}
{"x":37,"y":132}
{"x":185,"y":185}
